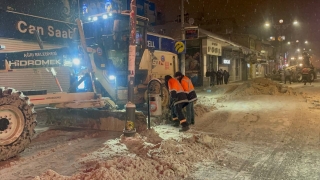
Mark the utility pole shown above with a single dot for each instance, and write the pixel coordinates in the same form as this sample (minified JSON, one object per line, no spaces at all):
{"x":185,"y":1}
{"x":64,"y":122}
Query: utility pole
{"x":183,"y":38}
{"x":129,"y":129}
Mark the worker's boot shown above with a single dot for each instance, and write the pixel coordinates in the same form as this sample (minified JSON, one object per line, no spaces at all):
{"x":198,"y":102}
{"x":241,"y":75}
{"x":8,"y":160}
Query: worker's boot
{"x":175,"y":123}
{"x":184,"y":126}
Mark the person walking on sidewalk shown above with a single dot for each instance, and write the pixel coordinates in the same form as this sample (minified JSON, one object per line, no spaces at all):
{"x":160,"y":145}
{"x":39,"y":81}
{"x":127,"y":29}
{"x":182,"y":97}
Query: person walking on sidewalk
{"x":287,"y":75}
{"x":306,"y":76}
{"x":178,"y":100}
{"x":226,"y":76}
{"x":191,"y":95}
{"x":219,"y":77}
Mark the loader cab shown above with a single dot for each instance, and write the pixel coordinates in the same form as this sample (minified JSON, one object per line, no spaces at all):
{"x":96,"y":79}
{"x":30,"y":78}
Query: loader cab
{"x":109,"y":39}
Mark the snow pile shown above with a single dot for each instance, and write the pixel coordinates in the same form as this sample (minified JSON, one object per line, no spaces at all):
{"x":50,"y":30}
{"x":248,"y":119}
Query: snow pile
{"x":204,"y":105}
{"x":169,"y":159}
{"x":261,"y":86}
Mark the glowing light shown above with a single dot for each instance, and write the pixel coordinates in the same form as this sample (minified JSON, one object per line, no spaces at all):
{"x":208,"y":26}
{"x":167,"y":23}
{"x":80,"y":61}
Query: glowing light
{"x":95,"y":18}
{"x":76,"y":61}
{"x":112,"y":77}
{"x":281,"y":21}
{"x":105,"y":16}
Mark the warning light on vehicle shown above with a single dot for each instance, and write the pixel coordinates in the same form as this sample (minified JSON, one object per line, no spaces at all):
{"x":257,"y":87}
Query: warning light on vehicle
{"x":112,"y":77}
{"x":76,"y":61}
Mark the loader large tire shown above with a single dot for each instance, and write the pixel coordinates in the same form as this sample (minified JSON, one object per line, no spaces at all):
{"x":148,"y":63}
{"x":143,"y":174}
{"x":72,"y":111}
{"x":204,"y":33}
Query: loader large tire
{"x":17,"y":122}
{"x":164,"y":99}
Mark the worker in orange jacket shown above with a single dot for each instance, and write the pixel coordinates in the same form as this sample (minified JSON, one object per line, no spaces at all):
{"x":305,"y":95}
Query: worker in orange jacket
{"x":191,"y":94}
{"x":178,"y":100}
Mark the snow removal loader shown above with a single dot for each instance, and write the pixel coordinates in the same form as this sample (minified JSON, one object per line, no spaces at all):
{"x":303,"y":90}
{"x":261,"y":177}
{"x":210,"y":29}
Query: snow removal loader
{"x":97,"y":65}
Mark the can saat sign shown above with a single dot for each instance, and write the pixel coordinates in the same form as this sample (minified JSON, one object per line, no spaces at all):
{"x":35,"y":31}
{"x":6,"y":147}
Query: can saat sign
{"x":179,"y":47}
{"x":153,"y":106}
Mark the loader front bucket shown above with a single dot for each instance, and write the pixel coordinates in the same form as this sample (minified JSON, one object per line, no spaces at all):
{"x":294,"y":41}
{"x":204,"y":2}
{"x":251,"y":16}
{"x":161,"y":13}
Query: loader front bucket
{"x":110,"y":120}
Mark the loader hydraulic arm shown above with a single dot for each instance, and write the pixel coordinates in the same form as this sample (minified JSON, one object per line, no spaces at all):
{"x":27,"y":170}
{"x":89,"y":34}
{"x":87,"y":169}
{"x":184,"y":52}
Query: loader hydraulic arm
{"x":85,"y":53}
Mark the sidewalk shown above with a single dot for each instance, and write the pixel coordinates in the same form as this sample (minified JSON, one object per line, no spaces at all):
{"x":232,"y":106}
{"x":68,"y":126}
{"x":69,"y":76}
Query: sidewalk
{"x":215,"y":88}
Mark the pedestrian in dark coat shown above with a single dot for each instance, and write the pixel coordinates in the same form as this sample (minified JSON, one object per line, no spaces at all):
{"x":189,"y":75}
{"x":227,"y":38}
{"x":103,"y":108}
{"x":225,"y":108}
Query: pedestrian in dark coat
{"x":213,"y":77}
{"x":287,"y":76}
{"x":219,"y":75}
{"x":226,"y":76}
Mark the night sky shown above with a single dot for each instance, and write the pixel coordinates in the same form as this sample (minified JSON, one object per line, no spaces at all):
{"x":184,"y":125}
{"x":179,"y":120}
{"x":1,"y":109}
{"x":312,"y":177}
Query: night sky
{"x":254,"y":13}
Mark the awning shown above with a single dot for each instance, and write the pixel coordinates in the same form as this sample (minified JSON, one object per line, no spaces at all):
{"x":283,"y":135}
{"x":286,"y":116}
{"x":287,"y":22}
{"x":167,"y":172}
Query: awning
{"x":226,"y":43}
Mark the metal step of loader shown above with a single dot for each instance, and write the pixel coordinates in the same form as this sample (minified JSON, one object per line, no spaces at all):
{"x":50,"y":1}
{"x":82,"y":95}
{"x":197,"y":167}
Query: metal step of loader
{"x":110,"y":120}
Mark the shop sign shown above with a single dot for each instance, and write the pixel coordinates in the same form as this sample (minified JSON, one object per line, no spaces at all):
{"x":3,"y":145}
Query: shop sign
{"x":226,"y":61}
{"x":211,"y":48}
{"x":180,"y":47}
{"x":35,"y":59}
{"x":153,"y":42}
{"x":191,"y":33}
{"x":22,"y":18}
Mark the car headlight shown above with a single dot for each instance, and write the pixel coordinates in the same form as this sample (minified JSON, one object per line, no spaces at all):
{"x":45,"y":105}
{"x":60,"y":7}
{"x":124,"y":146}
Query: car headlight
{"x":112,"y":77}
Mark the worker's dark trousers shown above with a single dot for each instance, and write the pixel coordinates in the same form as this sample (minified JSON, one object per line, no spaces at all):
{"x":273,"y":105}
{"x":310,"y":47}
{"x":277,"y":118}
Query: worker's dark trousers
{"x":306,"y":78}
{"x":212,"y":80}
{"x":177,"y":114}
{"x":287,"y":78}
{"x":190,"y":113}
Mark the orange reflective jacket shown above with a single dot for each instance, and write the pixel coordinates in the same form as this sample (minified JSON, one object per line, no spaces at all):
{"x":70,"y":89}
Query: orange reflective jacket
{"x":174,"y":85}
{"x":187,"y":84}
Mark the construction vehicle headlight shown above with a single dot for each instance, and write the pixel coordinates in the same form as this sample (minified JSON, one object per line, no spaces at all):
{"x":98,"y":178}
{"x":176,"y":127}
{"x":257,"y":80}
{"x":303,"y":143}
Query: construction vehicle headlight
{"x":76,"y":61}
{"x":112,"y":77}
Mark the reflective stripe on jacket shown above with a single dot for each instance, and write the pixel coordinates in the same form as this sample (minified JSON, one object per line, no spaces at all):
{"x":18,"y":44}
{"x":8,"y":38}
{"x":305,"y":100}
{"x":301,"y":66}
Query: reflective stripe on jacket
{"x":188,"y":88}
{"x":176,"y":91}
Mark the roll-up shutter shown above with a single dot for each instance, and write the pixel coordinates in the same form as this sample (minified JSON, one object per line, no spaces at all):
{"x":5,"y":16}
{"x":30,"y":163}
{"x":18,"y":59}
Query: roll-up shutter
{"x":15,"y":45}
{"x":36,"y":79}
